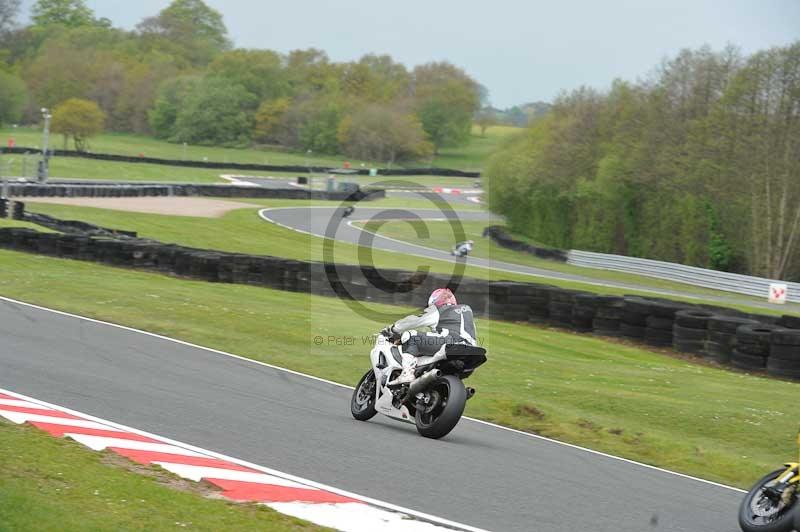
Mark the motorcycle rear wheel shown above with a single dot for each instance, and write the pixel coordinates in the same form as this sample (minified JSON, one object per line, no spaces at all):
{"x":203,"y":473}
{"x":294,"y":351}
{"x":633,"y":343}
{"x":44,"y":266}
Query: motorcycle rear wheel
{"x":780,"y":521}
{"x":443,"y":415}
{"x":362,"y":402}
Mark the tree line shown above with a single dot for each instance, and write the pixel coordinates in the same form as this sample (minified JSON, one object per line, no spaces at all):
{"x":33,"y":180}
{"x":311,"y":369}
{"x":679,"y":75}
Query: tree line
{"x":178,"y":76}
{"x":698,"y":164}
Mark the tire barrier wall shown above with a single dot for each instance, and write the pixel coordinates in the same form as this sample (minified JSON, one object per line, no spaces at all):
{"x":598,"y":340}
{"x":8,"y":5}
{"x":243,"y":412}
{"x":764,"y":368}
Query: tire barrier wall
{"x":727,"y":336}
{"x":503,"y":239}
{"x":12,"y":209}
{"x":220,"y":191}
{"x":446,"y":172}
{"x":73,"y":226}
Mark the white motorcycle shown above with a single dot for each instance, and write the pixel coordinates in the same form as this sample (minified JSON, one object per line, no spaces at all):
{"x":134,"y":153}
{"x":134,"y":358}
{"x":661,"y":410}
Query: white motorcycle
{"x":462,"y":249}
{"x":434,"y":400}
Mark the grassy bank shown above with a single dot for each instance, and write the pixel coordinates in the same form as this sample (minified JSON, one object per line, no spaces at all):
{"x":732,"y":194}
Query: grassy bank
{"x":468,"y":157}
{"x":474,"y":155}
{"x":441,"y":237}
{"x":77,"y":168}
{"x":56,"y":484}
{"x":242,"y":231}
{"x":649,"y":406}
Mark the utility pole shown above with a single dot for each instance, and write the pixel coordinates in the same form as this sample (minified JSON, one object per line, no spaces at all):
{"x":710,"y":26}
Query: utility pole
{"x":4,"y":189}
{"x":44,"y":163}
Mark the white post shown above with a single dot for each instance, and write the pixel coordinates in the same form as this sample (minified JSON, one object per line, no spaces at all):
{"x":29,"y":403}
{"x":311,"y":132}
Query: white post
{"x":43,"y":169}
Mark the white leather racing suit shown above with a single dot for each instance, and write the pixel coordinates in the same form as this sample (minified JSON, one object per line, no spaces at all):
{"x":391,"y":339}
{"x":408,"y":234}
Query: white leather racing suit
{"x":449,"y":324}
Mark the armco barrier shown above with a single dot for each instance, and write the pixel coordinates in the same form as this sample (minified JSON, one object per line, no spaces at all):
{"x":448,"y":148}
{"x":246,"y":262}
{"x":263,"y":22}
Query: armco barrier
{"x":220,"y":191}
{"x":448,"y":172}
{"x":729,"y":282}
{"x":638,"y":319}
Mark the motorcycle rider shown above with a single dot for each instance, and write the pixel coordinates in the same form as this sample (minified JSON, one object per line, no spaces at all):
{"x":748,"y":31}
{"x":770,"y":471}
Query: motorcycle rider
{"x":449,"y":323}
{"x":462,"y":249}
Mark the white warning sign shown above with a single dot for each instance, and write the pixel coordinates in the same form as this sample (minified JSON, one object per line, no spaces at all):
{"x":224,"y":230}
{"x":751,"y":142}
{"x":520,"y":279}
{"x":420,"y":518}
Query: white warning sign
{"x":777,"y":293}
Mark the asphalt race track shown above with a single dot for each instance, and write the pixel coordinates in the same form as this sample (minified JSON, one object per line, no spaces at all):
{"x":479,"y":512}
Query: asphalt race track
{"x":479,"y":475}
{"x":317,"y":221}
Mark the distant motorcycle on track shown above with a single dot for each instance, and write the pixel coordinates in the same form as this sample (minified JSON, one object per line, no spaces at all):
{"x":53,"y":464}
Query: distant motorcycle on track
{"x":433,"y":401}
{"x":771,"y":504}
{"x":462,"y":249}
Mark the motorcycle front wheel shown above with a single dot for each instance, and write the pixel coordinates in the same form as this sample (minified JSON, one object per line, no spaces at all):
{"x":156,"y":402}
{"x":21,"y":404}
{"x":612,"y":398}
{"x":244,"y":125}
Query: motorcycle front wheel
{"x":362,"y":403}
{"x":447,"y":397}
{"x":760,"y":513}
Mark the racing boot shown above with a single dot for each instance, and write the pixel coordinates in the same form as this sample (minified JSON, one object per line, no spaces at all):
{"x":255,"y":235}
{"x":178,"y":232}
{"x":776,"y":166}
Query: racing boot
{"x":409,"y":367}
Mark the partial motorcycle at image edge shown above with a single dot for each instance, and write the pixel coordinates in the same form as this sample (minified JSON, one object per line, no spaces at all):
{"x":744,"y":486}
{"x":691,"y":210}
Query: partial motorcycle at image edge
{"x":434,"y":400}
{"x":771,"y":504}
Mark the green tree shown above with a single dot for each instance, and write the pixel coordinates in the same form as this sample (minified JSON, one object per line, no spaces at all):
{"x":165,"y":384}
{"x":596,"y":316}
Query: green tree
{"x":164,"y":114}
{"x":70,"y":13}
{"x":310,"y":72}
{"x":699,"y":164}
{"x":446,"y":99}
{"x":79,"y":119}
{"x":188,"y":28}
{"x":757,"y":127}
{"x":485,"y":118}
{"x":375,"y":78}
{"x":312,"y":123}
{"x":215,"y":113}
{"x":59,"y":72}
{"x":269,"y":118}
{"x":13,"y":97}
{"x":319,"y":125}
{"x":385,"y":135}
{"x":9,"y":10}
{"x":258,"y":71}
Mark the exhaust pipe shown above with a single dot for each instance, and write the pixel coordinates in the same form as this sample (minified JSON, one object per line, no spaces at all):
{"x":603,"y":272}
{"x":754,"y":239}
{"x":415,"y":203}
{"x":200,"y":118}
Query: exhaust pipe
{"x":419,"y":384}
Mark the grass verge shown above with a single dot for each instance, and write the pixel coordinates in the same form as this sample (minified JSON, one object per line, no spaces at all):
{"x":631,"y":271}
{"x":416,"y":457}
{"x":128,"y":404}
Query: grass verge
{"x":55,"y":484}
{"x":468,"y":157}
{"x":441,"y":237}
{"x":649,"y":406}
{"x":90,"y":169}
{"x":242,"y":231}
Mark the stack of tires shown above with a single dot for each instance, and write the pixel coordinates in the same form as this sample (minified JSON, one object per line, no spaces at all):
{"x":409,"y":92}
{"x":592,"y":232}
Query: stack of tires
{"x":505,"y":301}
{"x":539,"y":310}
{"x":722,"y":336}
{"x":752,"y":346}
{"x":690,"y":333}
{"x":660,"y":323}
{"x":583,"y":312}
{"x":790,"y":322}
{"x":784,"y":353}
{"x":18,"y":210}
{"x":634,"y":318}
{"x":608,"y":316}
{"x":560,"y":307}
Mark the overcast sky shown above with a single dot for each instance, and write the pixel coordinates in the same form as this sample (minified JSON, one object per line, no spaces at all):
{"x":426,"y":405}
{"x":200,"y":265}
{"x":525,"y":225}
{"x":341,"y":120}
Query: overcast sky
{"x":521,"y":50}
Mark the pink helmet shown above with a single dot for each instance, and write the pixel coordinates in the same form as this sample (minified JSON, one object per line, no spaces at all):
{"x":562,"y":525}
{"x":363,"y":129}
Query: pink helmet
{"x":441,"y":297}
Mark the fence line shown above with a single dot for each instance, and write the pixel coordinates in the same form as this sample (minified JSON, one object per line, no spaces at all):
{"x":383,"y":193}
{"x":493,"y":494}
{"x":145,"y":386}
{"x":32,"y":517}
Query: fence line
{"x":730,"y":282}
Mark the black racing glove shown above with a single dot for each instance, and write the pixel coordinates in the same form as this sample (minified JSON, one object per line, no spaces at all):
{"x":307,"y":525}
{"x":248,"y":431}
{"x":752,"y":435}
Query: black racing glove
{"x":389,"y":332}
